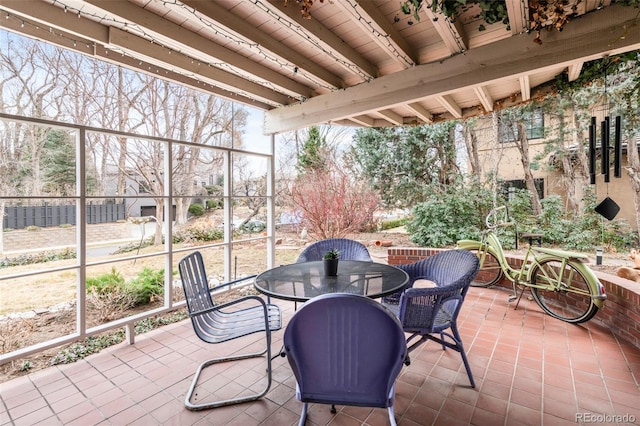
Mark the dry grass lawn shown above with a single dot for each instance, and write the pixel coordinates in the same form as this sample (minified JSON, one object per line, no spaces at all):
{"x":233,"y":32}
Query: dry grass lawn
{"x":37,"y":292}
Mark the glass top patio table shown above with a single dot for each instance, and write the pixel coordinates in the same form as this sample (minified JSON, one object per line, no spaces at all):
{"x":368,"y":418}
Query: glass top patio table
{"x":300,"y":282}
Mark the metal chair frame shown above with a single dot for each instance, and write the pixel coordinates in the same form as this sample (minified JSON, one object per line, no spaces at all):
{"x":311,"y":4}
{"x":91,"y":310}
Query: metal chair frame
{"x":216,"y":324}
{"x":333,"y":344}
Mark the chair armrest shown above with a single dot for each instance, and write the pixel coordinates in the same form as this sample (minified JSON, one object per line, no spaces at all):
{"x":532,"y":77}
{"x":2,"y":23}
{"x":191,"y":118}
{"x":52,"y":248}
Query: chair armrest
{"x":230,"y":283}
{"x":405,"y":308}
{"x":419,"y":292}
{"x":231,"y":303}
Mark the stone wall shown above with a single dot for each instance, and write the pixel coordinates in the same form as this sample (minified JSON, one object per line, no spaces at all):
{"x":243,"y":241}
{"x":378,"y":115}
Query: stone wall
{"x":621,"y":312}
{"x":57,"y":237}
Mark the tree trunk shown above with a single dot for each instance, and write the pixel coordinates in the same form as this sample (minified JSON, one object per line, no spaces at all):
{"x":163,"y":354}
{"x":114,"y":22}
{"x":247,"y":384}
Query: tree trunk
{"x":633,"y":170}
{"x":471,"y":143}
{"x":157,"y":240}
{"x":523,"y":147}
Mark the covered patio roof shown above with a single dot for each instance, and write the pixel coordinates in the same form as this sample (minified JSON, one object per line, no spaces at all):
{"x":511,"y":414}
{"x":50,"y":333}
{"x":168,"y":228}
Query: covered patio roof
{"x":354,"y":62}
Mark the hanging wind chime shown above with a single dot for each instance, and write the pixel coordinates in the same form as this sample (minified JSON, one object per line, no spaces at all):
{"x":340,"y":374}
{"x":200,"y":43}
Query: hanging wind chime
{"x":607,"y":207}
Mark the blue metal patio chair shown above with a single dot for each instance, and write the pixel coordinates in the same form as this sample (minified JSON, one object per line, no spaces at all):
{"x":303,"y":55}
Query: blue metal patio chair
{"x":349,"y":250}
{"x":427,"y":313}
{"x":345,"y":349}
{"x":215,"y":323}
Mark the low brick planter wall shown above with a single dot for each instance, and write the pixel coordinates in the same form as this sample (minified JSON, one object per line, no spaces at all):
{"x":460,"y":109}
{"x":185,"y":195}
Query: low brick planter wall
{"x":621,"y":312}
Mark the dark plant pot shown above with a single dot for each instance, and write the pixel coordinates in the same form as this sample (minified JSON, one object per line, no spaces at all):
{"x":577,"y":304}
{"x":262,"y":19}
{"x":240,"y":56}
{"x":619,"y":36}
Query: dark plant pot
{"x":331,"y":267}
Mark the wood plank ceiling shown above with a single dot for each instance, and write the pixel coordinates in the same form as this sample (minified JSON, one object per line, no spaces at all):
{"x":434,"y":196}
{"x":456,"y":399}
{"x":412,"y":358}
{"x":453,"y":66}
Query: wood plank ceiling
{"x":354,"y":62}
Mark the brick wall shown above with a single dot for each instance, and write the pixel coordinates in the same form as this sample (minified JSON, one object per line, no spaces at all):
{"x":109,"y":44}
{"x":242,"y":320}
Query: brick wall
{"x":621,"y":312}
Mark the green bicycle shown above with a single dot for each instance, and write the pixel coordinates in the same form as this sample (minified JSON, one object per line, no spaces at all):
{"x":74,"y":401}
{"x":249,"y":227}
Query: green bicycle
{"x":560,"y":281}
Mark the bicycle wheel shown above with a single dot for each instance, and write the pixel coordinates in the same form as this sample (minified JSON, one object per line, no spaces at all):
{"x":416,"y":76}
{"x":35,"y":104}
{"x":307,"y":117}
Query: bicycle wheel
{"x":571,"y":302}
{"x":490,"y":271}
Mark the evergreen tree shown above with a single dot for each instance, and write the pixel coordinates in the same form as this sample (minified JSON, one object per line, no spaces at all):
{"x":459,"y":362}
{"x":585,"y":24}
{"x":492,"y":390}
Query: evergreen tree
{"x":59,"y":165}
{"x":314,"y":152}
{"x":405,"y":164}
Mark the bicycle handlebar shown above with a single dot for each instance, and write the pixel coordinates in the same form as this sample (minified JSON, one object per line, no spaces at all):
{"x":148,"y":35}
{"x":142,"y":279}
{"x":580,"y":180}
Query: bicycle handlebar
{"x":498,"y":217}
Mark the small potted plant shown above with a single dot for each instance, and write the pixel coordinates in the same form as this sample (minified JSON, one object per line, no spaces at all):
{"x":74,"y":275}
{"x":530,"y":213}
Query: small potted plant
{"x":331,"y":258}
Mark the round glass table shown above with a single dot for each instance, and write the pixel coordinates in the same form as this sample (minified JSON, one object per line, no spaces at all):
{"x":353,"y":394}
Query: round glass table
{"x":300,"y":282}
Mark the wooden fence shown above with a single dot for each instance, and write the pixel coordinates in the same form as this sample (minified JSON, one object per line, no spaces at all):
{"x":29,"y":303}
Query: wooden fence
{"x":47,"y":215}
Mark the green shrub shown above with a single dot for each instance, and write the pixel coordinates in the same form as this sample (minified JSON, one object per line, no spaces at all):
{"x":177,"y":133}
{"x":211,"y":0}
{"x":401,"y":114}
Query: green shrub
{"x":214,"y":204}
{"x":449,"y":215}
{"x":106,"y":283}
{"x":196,"y":209}
{"x":393,"y":223}
{"x":29,"y":259}
{"x":147,"y":286}
{"x":94,"y":344}
{"x":198,"y":232}
{"x":87,"y":347}
{"x":581,"y":232}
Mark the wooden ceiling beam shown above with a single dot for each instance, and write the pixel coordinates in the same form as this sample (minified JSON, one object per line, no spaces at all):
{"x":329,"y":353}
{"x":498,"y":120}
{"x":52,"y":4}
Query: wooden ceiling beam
{"x":574,"y":70}
{"x":221,"y":16}
{"x":152,"y":51}
{"x":485,"y":97}
{"x":451,"y":105}
{"x":388,"y":37}
{"x":55,"y":17}
{"x":451,"y":33}
{"x":363,"y":120}
{"x":165,"y":29}
{"x":75,"y":43}
{"x":326,"y":37}
{"x":391,"y":117}
{"x":525,"y":87}
{"x":421,"y":112}
{"x":159,"y":56}
{"x":518,"y":12}
{"x":584,"y":39}
{"x":166,"y":74}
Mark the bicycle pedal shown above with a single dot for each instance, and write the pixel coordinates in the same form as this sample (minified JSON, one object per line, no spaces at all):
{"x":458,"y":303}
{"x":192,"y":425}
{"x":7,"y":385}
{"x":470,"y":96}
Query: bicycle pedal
{"x":512,"y":298}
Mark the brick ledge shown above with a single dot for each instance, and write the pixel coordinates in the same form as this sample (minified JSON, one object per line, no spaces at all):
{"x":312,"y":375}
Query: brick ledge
{"x":621,"y":312}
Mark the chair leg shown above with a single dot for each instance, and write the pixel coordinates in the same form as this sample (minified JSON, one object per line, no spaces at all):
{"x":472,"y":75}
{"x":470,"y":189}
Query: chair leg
{"x":458,"y":340}
{"x":231,"y":401}
{"x":392,"y":417}
{"x":303,"y":415}
{"x":456,"y":346}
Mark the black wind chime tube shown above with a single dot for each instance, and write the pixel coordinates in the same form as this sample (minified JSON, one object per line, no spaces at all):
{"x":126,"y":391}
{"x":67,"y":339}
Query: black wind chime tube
{"x":617,"y":149}
{"x":592,"y":151}
{"x":604,"y":133}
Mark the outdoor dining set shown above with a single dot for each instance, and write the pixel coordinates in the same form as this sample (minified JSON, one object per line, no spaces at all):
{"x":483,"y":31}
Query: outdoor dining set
{"x":351,"y":333}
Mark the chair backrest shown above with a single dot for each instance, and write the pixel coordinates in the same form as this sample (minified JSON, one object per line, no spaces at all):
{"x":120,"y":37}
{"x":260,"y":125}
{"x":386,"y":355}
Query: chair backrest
{"x":452,"y":271}
{"x":196,"y":291}
{"x":349,"y":250}
{"x":345,"y":349}
{"x":449,"y":267}
{"x":440,"y":268}
{"x":195,"y":283}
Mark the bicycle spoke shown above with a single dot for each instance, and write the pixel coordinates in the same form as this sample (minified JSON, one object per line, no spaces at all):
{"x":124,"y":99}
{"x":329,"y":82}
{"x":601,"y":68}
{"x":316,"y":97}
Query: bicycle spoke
{"x":562,"y":291}
{"x":490,"y":271}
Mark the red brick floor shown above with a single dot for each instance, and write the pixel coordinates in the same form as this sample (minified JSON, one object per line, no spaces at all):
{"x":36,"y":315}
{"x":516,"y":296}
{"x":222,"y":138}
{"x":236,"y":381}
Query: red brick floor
{"x":529,"y":369}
